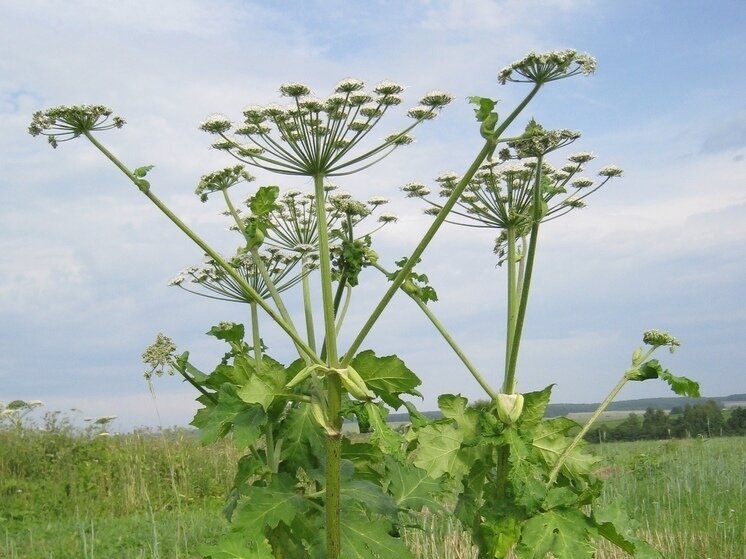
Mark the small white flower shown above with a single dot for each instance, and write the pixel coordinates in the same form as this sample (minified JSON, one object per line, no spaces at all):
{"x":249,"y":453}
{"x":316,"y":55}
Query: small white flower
{"x":582,"y":157}
{"x":387,"y":218}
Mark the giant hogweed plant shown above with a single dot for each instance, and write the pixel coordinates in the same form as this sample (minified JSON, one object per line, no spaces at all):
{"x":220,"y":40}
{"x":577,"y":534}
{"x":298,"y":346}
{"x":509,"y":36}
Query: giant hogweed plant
{"x":303,"y":488}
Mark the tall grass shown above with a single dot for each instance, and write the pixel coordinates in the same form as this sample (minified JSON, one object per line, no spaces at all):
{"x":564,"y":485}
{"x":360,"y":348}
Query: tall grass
{"x":71,"y":495}
{"x":66,"y":494}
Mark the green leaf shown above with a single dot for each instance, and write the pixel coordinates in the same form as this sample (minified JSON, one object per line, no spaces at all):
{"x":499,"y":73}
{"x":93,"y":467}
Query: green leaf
{"x":215,"y":421}
{"x":388,"y":440}
{"x":247,"y":426}
{"x":140,"y":172}
{"x":266,"y":507}
{"x":366,"y":457}
{"x":387,"y":376}
{"x":227,"y":331}
{"x":265,"y":385}
{"x":411,"y":486}
{"x":364,"y":538}
{"x":484,"y":107}
{"x":565,"y":533}
{"x":368,"y":496}
{"x":237,"y":546}
{"x":303,"y":444}
{"x":614,"y":525}
{"x":681,"y":385}
{"x":550,"y":440}
{"x":416,"y":419}
{"x":534,"y":407}
{"x":439,"y":451}
{"x":264,"y":201}
{"x":457,"y":408}
{"x":653,"y":369}
{"x":560,"y":497}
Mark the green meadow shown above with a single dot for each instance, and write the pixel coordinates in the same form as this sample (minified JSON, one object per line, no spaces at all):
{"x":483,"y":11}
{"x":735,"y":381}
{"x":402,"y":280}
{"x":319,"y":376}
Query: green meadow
{"x":66,"y":494}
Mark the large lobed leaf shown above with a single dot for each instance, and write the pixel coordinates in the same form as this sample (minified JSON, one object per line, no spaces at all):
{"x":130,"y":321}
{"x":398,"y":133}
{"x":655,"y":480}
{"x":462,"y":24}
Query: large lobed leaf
{"x":439,"y":451}
{"x":365,"y":538}
{"x":388,"y":377}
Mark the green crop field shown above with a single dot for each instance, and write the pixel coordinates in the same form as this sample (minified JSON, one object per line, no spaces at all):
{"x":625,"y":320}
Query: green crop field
{"x":67,"y":495}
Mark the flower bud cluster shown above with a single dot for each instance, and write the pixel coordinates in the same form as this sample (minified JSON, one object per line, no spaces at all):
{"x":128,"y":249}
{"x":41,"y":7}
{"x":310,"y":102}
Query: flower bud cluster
{"x":160,"y":356}
{"x":221,"y":180}
{"x":657,"y":338}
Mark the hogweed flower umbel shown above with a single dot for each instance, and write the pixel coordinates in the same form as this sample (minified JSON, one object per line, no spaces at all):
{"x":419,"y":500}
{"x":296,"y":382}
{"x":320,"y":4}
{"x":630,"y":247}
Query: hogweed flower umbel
{"x":213,"y":279}
{"x":500,"y":196}
{"x":313,"y":136}
{"x":64,"y":123}
{"x":546,"y":67}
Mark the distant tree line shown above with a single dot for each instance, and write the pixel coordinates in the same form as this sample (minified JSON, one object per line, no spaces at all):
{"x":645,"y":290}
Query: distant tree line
{"x":706,"y":420}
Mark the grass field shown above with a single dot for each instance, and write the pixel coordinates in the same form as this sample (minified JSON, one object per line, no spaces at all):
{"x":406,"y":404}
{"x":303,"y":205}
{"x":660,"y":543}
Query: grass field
{"x":158,"y":495}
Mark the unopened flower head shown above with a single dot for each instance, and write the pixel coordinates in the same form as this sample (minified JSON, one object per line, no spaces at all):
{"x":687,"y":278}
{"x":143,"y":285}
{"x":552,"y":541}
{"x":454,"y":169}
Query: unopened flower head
{"x":536,"y":141}
{"x":221,"y":180}
{"x":63,"y":123}
{"x":160,"y":356}
{"x":546,"y":67}
{"x":659,"y":338}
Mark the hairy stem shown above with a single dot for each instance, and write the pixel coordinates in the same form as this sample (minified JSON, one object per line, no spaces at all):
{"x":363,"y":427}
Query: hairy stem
{"x":512,"y":302}
{"x":333,"y":384}
{"x":308,"y":310}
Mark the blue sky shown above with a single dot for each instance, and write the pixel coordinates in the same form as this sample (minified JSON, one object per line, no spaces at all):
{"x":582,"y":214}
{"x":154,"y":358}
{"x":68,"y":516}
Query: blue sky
{"x":84,"y":260}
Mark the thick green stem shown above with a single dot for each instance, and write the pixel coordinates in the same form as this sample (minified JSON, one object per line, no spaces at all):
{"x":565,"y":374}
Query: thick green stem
{"x":308,"y":310}
{"x":333,"y":384}
{"x":510,"y":380}
{"x":250,"y":291}
{"x":512,"y":301}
